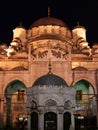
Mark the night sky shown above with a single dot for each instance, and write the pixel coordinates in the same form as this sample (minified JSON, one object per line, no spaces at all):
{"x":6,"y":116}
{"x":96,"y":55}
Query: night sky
{"x":70,"y":11}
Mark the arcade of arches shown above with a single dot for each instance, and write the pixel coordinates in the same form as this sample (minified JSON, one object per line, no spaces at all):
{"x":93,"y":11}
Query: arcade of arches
{"x":15,"y":106}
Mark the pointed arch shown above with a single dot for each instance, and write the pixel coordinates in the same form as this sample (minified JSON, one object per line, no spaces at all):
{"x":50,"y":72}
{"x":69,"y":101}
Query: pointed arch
{"x":13,"y":87}
{"x":15,"y":101}
{"x":80,"y":68}
{"x":68,"y":104}
{"x":84,"y":85}
{"x":33,"y":105}
{"x":50,"y":105}
{"x":50,"y":102}
{"x":85,"y":98}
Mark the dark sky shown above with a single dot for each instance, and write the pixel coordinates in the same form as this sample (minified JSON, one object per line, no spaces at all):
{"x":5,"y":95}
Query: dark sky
{"x":70,"y":11}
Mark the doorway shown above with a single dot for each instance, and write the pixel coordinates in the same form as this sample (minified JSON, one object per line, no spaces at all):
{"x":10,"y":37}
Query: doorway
{"x":50,"y":121}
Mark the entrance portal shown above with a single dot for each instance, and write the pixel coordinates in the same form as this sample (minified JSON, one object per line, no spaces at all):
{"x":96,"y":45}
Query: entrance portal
{"x":50,"y":121}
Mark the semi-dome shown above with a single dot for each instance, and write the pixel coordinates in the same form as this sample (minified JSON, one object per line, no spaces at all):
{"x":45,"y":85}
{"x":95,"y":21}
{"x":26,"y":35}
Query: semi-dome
{"x":48,"y":21}
{"x":50,"y":79}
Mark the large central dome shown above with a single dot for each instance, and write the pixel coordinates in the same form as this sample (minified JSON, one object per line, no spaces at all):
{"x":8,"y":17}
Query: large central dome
{"x":48,"y":21}
{"x":50,"y":79}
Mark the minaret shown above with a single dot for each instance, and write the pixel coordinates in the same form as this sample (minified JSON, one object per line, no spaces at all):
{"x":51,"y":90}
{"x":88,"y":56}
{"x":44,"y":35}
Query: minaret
{"x":79,"y":36}
{"x":79,"y":31}
{"x":20,"y":33}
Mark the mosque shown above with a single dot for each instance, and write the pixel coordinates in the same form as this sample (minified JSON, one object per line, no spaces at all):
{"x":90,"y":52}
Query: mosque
{"x":49,"y":78}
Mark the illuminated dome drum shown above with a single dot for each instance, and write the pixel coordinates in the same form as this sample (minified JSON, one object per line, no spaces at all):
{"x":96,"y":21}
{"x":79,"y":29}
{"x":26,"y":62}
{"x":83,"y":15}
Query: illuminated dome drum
{"x":48,"y":35}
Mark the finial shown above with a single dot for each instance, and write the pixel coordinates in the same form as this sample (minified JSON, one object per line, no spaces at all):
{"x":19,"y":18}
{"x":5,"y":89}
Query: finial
{"x":49,"y":67}
{"x":20,"y":24}
{"x":48,"y":11}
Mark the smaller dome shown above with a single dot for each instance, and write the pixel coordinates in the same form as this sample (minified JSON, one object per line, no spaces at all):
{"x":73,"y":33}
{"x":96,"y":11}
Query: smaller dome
{"x":48,"y":21}
{"x":50,"y":79}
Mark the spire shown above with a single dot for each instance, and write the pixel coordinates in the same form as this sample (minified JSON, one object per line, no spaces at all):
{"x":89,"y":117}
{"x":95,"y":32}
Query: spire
{"x":78,"y":23}
{"x":48,"y":11}
{"x":49,"y":67}
{"x":20,"y":24}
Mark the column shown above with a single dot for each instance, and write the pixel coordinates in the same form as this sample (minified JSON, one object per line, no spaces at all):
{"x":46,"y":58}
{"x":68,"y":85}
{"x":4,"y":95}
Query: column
{"x":41,"y":119}
{"x":29,"y":122}
{"x":1,"y":113}
{"x":60,"y":118}
{"x":72,"y":126}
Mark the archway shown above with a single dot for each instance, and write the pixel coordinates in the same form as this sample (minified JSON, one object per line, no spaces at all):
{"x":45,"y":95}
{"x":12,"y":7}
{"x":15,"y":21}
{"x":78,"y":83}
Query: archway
{"x":15,"y":101}
{"x":84,"y":97}
{"x":50,"y":121}
{"x":85,"y":109}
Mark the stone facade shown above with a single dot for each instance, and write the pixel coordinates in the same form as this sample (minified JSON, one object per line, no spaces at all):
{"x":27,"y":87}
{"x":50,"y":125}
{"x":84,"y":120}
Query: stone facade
{"x":27,"y":58}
